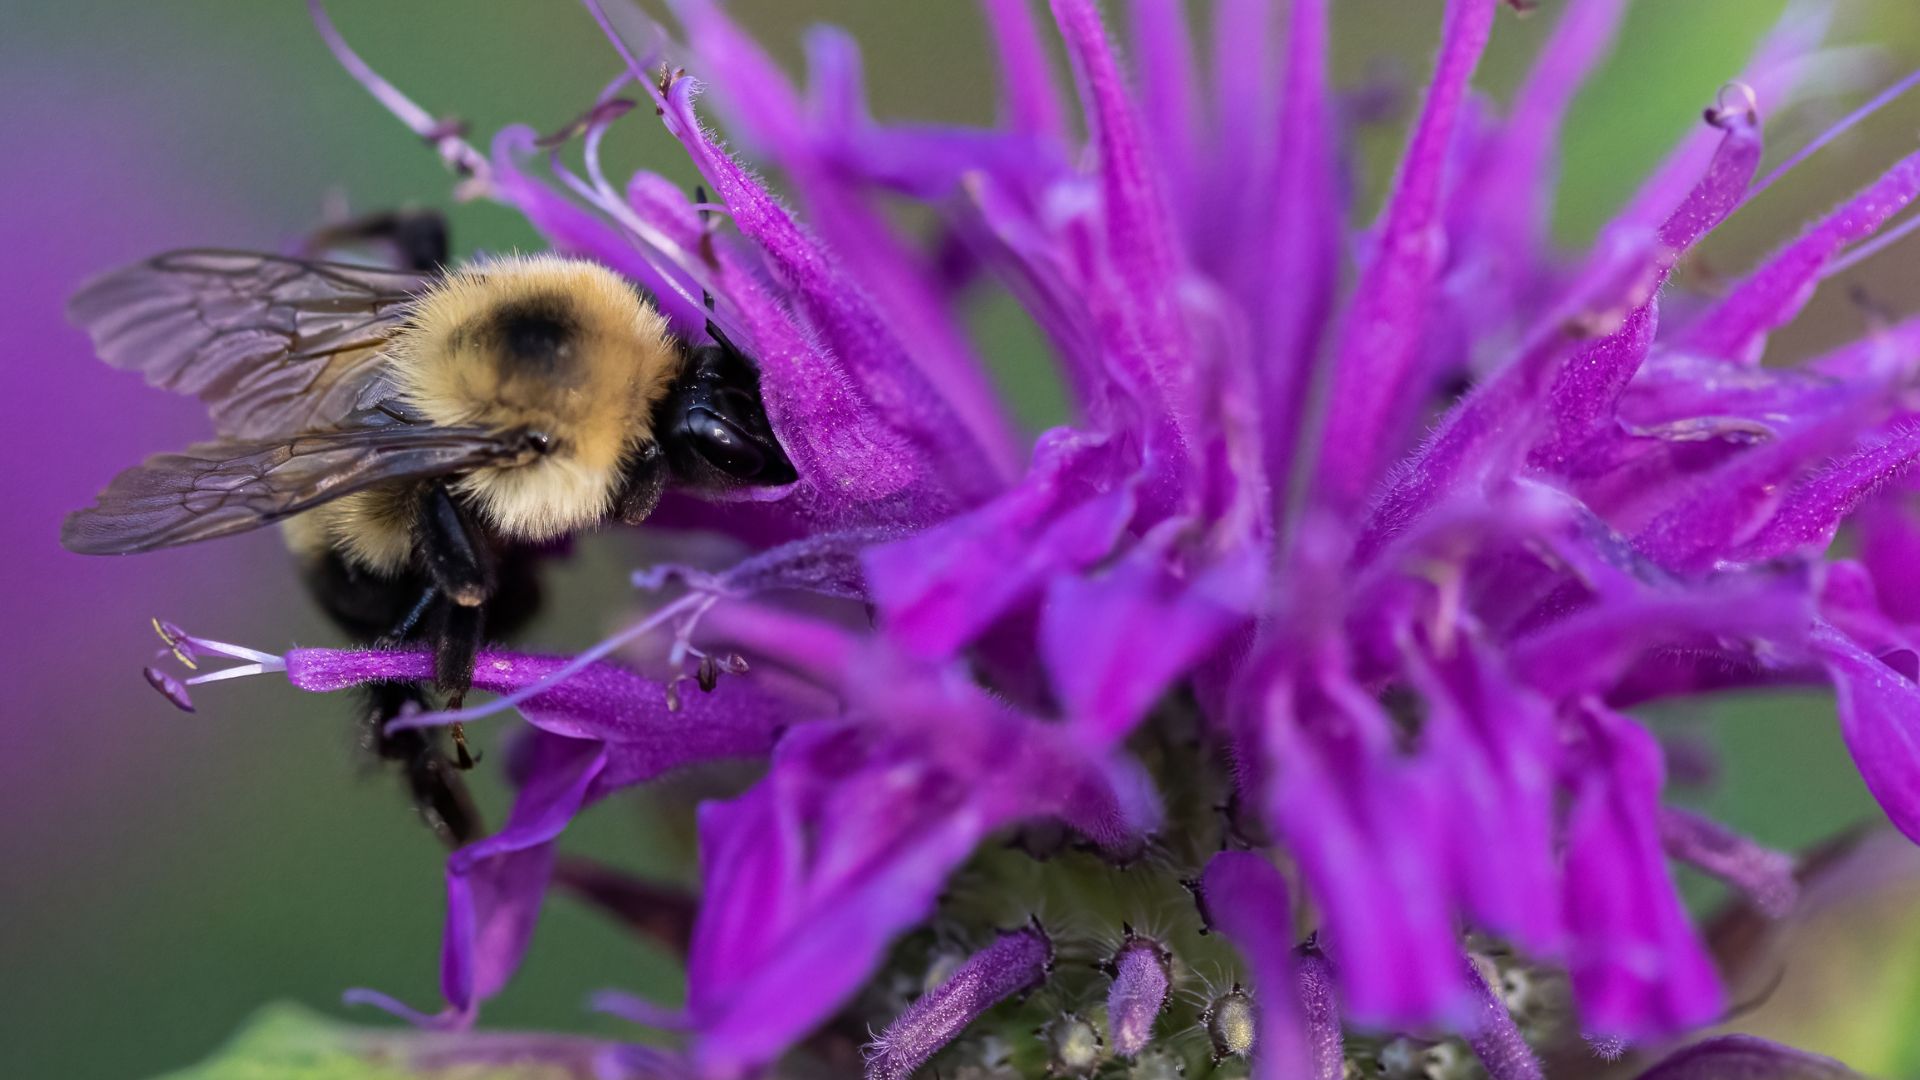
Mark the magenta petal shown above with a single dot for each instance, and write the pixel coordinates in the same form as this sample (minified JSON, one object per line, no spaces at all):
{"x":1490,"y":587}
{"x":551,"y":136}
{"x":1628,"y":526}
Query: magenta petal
{"x":1029,"y":97}
{"x":1378,"y":351}
{"x":1246,"y":900}
{"x":1292,"y":294}
{"x":1496,"y":742}
{"x":878,"y":304}
{"x":1744,"y":1057}
{"x":1890,"y":548}
{"x":1638,"y":968}
{"x":807,"y":877}
{"x":1320,"y":1010}
{"x":1589,"y":650}
{"x":495,"y":886}
{"x":1135,"y":281}
{"x":1880,"y":720}
{"x":1736,"y":328}
{"x":575,"y":231}
{"x":849,"y":839}
{"x":1809,"y":514}
{"x":1586,"y":390}
{"x":1766,"y":876}
{"x":1777,"y":62}
{"x":601,"y":702}
{"x":1106,"y":673}
{"x":1162,"y":54}
{"x":1368,"y":832}
{"x":1509,"y":194}
{"x":1749,"y":498}
{"x":939,"y":589}
{"x":863,"y":362}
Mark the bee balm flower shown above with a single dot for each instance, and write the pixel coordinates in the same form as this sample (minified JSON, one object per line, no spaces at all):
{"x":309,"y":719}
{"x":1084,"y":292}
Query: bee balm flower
{"x":1253,"y":571}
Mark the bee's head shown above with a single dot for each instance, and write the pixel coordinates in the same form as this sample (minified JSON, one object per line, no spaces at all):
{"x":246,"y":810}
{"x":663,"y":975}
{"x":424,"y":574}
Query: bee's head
{"x":713,"y":426}
{"x":562,"y":349}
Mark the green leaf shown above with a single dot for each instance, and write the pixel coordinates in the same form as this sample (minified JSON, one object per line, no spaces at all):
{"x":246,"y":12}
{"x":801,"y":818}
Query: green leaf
{"x":291,"y":1042}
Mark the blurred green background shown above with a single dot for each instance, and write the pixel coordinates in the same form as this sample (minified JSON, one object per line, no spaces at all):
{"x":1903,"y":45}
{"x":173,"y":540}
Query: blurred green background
{"x":164,"y":874}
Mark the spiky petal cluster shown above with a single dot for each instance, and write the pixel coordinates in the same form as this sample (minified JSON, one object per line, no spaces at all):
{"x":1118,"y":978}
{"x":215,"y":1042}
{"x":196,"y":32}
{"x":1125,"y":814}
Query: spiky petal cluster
{"x":1413,"y":641}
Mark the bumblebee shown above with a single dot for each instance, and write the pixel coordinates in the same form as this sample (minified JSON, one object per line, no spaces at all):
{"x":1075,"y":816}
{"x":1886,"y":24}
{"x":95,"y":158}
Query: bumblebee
{"x":420,"y":435}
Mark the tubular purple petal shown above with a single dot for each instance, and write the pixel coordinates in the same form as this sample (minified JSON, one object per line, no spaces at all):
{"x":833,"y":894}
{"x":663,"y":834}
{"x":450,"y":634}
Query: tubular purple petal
{"x":871,"y":260}
{"x":941,"y":587}
{"x":495,"y":886}
{"x":1771,"y":73}
{"x":1104,"y":671}
{"x":1246,"y":900}
{"x":1344,"y":805}
{"x":1736,"y":328}
{"x":1028,"y":96}
{"x":1506,"y":199}
{"x":1588,"y":386}
{"x":1138,"y":994}
{"x":1497,"y":420}
{"x":919,"y":441}
{"x":1745,"y":1057}
{"x":1134,"y":293}
{"x":1302,"y":241}
{"x":813,"y":907}
{"x":1742,"y":499}
{"x":1497,"y":740}
{"x":1638,"y":970}
{"x":1880,"y":721}
{"x":1017,"y":962}
{"x":602,"y":702}
{"x":1377,"y":360}
{"x":1765,"y":875}
{"x":1236,"y":193}
{"x":1808,"y":515}
{"x":1164,"y":85}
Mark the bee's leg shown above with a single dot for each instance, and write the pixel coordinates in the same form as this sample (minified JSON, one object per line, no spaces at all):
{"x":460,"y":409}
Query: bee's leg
{"x":410,"y":622}
{"x":455,"y":556}
{"x":456,"y":642}
{"x":438,"y":794}
{"x":462,"y":568}
{"x":390,"y":612}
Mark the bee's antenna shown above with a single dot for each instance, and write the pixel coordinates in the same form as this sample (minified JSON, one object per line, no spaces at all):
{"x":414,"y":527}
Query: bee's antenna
{"x":706,"y":249}
{"x":720,"y":337}
{"x":706,"y":233}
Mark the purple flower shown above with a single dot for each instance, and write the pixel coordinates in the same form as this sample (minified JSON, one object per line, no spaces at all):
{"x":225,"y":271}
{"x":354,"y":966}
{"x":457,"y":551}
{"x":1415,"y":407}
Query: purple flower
{"x":1245,"y":572}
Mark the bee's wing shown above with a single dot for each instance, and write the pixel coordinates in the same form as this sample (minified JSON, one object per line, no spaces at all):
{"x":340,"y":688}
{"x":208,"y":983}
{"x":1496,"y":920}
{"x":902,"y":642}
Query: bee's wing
{"x":274,"y":346}
{"x":218,"y":488}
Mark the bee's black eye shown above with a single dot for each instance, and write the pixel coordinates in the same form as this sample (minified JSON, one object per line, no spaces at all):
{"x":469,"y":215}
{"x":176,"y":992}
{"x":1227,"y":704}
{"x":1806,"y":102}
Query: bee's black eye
{"x":725,"y":446}
{"x":714,"y":430}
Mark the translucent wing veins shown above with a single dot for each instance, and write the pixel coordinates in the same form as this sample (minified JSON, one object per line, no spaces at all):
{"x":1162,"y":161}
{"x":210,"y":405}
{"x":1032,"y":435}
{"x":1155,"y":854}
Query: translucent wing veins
{"x":274,"y":346}
{"x":219,"y":488}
